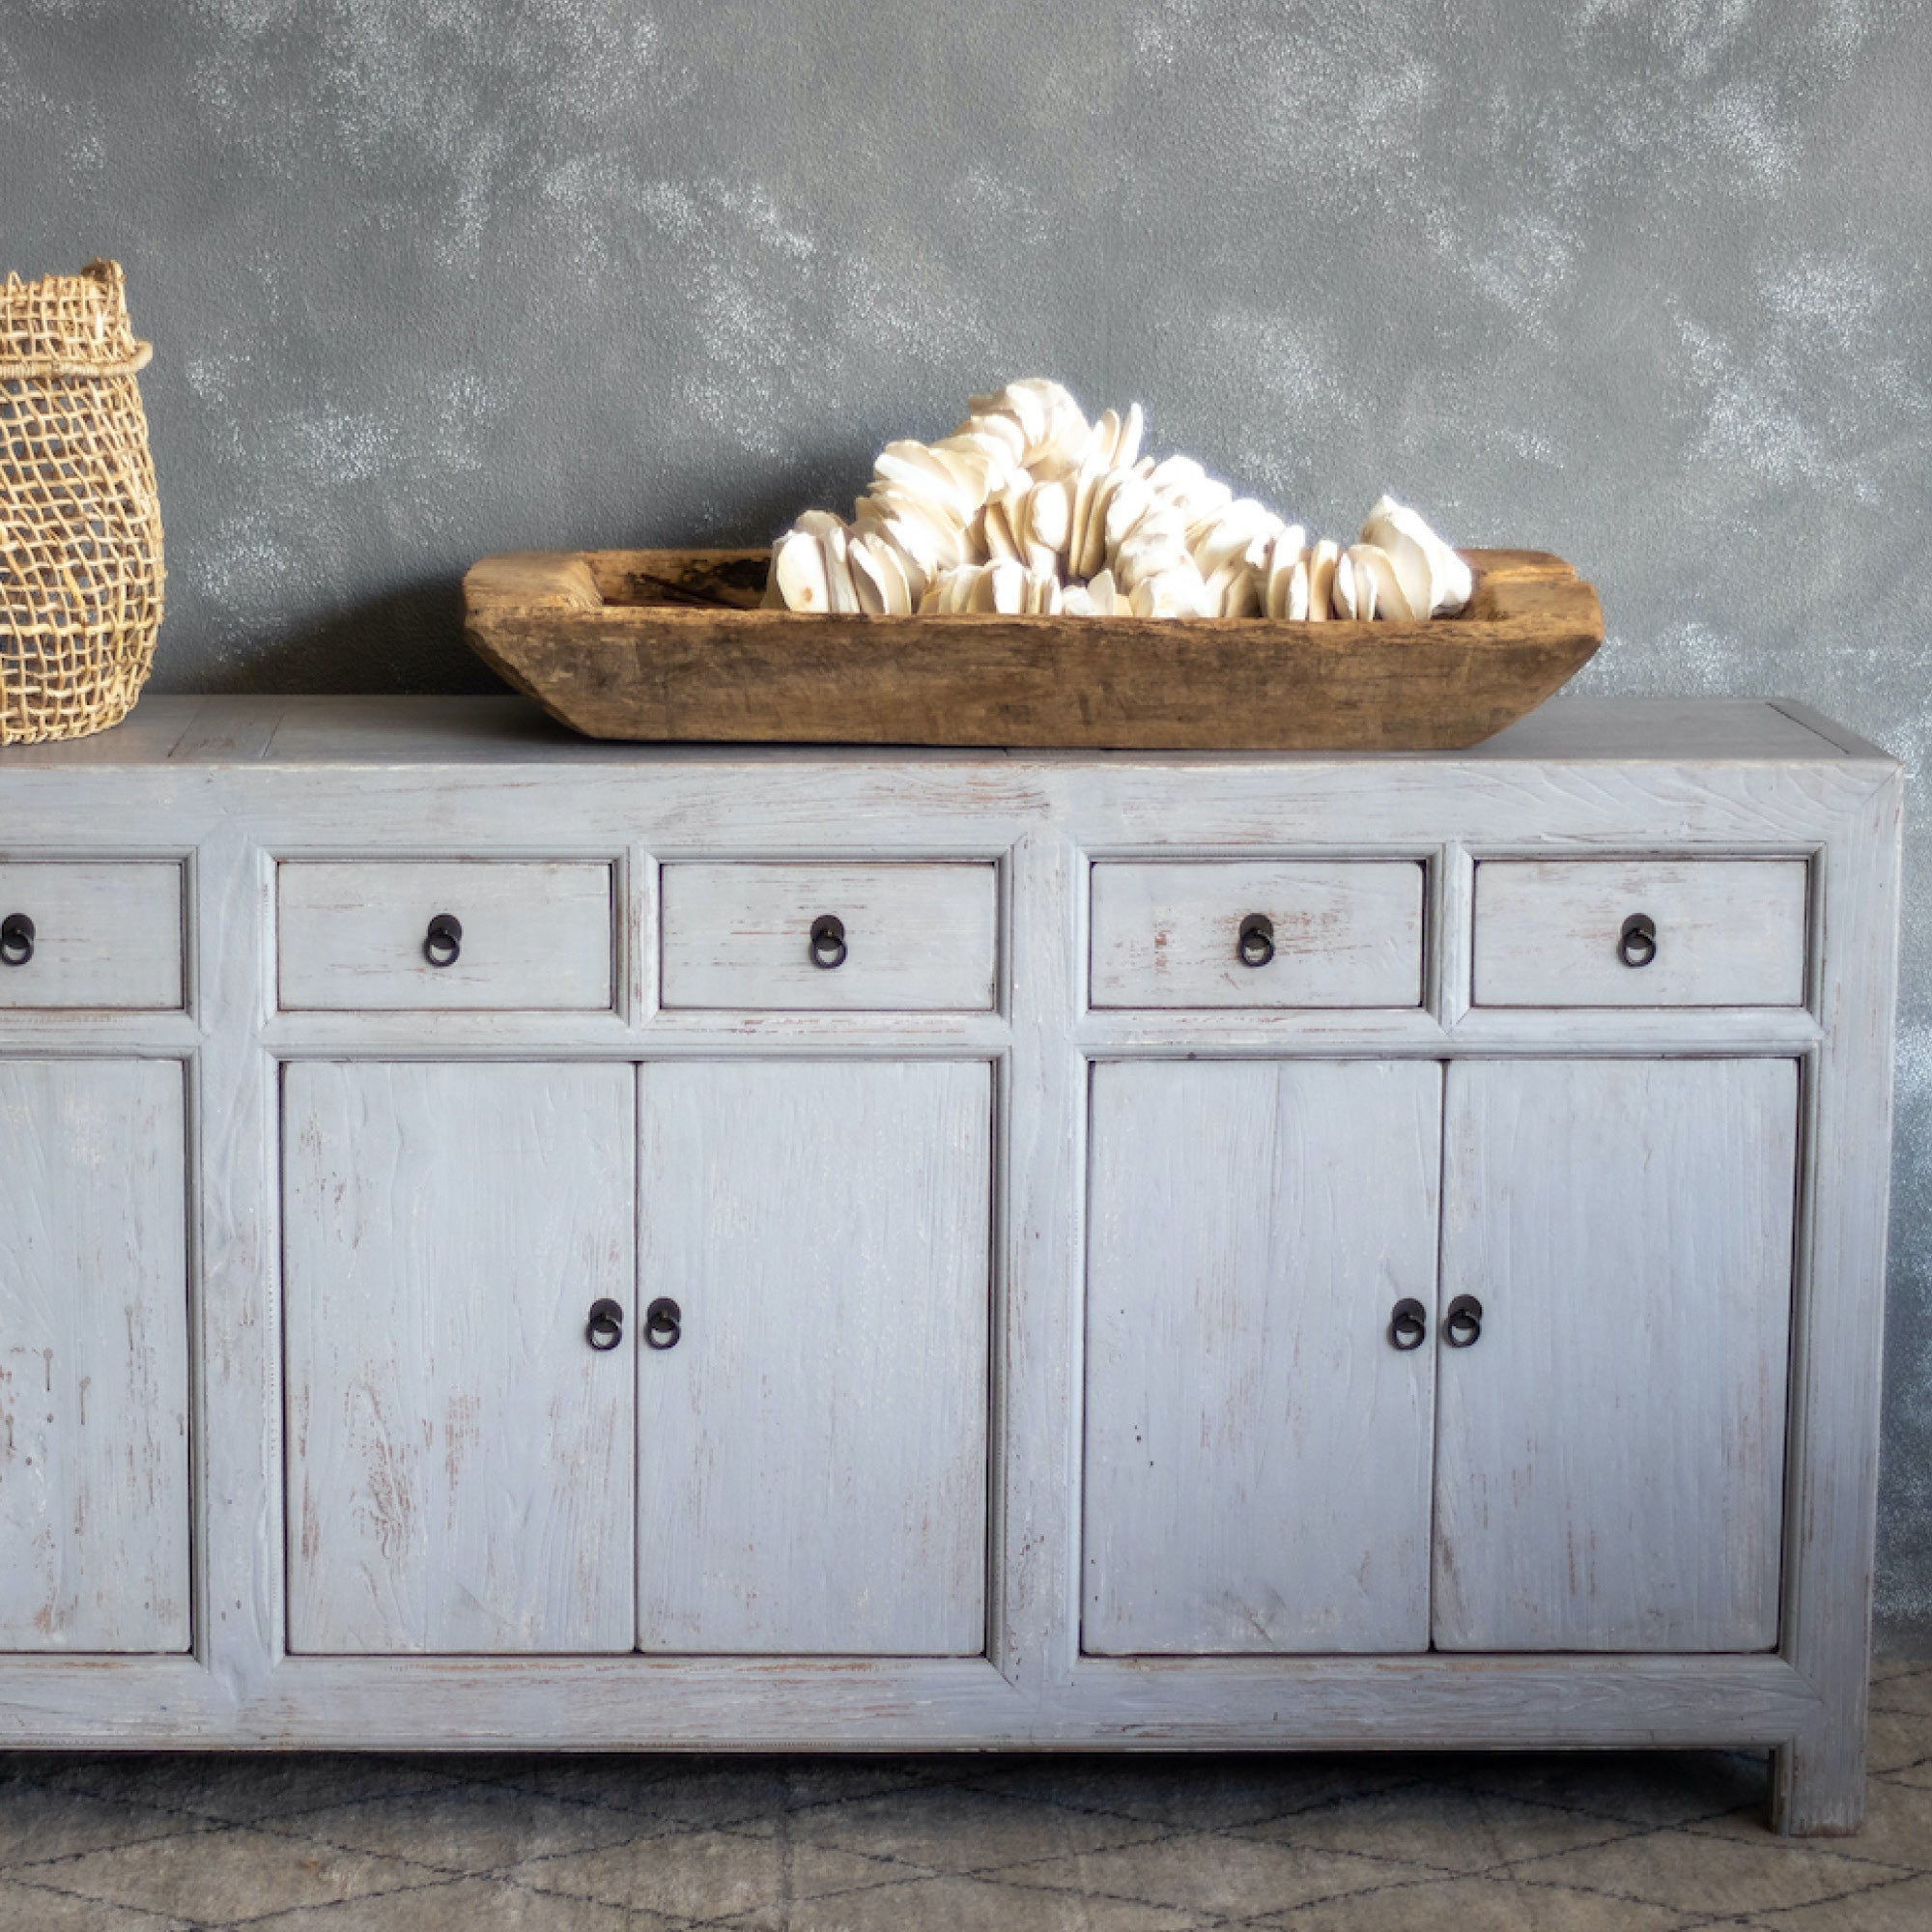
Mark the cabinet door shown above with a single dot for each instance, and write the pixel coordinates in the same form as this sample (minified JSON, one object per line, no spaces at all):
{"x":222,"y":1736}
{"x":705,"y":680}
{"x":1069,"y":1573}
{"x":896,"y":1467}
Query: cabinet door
{"x":93,"y":1497}
{"x":812,"y":1448}
{"x":459,"y":1454}
{"x":1611,"y":1449}
{"x":1257,"y":1468}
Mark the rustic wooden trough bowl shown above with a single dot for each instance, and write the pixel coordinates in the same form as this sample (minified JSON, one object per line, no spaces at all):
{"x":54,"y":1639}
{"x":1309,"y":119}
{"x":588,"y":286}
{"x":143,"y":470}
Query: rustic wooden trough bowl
{"x":671,"y":645}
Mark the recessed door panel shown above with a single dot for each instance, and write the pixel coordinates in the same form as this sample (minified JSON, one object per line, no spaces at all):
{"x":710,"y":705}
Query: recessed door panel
{"x":812,"y":1420}
{"x":1257,"y":1445}
{"x":1610,"y":1440}
{"x":94,"y":1380}
{"x":460,"y":1456}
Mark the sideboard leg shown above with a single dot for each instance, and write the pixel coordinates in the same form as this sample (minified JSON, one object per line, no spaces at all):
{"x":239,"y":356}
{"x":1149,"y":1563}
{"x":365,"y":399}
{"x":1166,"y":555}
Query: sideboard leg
{"x":1818,"y":1784}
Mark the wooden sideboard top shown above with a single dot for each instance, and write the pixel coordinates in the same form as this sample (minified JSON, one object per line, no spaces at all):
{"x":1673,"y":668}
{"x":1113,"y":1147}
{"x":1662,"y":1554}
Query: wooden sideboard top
{"x":386,"y":731}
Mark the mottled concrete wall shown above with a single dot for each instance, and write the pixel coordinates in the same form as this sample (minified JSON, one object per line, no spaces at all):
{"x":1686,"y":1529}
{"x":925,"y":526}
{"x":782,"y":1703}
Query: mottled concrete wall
{"x":1643,"y":283}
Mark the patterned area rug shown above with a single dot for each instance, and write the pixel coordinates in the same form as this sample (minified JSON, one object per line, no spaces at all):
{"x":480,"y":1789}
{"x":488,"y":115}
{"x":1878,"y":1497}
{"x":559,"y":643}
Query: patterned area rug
{"x":1654,"y":1842}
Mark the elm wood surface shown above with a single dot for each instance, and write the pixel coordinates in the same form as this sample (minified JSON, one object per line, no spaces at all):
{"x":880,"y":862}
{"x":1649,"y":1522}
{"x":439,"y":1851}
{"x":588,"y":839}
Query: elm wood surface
{"x":670,"y":645}
{"x":1257,"y":1451}
{"x":811,"y":1471}
{"x":94,"y":1356}
{"x":227,"y":787}
{"x":354,"y":937}
{"x":1724,"y":932}
{"x":1343,"y":934}
{"x":1626,"y":1227}
{"x":458,"y":1457}
{"x":105,"y":935}
{"x":915,"y":937}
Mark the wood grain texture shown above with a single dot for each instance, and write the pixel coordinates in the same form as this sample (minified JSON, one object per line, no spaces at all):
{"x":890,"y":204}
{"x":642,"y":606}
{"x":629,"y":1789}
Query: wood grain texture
{"x":1583,"y":779}
{"x":94,"y":1369}
{"x":1729,"y":932}
{"x":535,"y":935}
{"x":1256,"y":1467}
{"x":813,"y":1452}
{"x":105,"y":935}
{"x":1345,"y":933}
{"x":459,"y":1457}
{"x":918,"y":938}
{"x":1610,"y":1462}
{"x":1818,"y":1778}
{"x":665,"y":644}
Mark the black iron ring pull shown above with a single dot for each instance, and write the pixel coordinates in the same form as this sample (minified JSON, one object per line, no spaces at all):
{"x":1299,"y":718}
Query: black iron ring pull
{"x":1463,"y":1322}
{"x":442,"y":943}
{"x":16,"y":939}
{"x":1255,"y":943}
{"x":828,"y":947}
{"x":1637,"y":943}
{"x":606,"y":1328}
{"x":1408,"y":1325}
{"x":663,"y":1323}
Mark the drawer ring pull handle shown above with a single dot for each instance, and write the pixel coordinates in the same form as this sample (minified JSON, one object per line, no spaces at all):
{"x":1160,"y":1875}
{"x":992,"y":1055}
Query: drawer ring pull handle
{"x":1408,"y":1325}
{"x":828,"y":947}
{"x":663,"y":1323}
{"x":1463,"y":1322}
{"x":1255,"y":943}
{"x":16,"y":939}
{"x":605,"y":1328}
{"x":442,"y":943}
{"x":1637,"y":943}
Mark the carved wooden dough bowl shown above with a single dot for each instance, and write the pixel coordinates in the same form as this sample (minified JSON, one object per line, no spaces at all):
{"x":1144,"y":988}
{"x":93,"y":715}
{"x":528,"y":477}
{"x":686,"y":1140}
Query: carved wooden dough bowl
{"x":671,"y":645}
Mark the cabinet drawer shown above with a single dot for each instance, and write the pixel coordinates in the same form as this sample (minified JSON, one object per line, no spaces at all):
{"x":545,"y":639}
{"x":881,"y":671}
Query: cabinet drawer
{"x":82,"y":934}
{"x":357,"y":936}
{"x":907,"y":938}
{"x":1701,"y":932}
{"x":1334,"y":933}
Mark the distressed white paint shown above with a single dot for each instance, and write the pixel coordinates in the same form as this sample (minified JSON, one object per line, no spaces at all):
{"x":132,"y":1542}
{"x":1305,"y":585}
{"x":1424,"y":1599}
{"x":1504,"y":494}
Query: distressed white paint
{"x":918,"y":938}
{"x":94,"y":1375}
{"x":535,"y":935}
{"x":458,"y":1457}
{"x":1609,"y":1465}
{"x":239,"y":783}
{"x":1345,"y":933}
{"x":1729,"y":932}
{"x":1257,"y":1465}
{"x":811,"y":1453}
{"x":105,"y":935}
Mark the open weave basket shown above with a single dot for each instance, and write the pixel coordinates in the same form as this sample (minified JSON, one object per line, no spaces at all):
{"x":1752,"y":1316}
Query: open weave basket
{"x":81,"y":526}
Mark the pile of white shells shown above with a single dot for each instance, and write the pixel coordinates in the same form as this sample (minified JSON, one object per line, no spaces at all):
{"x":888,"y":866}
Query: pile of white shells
{"x":1028,"y":508}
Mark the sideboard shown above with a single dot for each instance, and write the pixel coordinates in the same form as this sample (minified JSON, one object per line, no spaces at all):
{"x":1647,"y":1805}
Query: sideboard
{"x":511,"y":1241}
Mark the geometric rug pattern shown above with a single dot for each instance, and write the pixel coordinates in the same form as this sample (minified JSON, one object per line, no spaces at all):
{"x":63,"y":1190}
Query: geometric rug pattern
{"x":961,"y":1842}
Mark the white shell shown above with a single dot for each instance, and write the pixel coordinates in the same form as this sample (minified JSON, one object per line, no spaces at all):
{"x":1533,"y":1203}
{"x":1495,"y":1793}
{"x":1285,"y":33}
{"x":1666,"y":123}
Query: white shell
{"x":1125,"y":507}
{"x":1174,"y":593}
{"x":842,"y":594}
{"x":1296,"y":605}
{"x":1027,"y":484}
{"x":1232,"y":534}
{"x":1153,"y":547}
{"x":1050,"y":515}
{"x":1432,"y":577}
{"x":890,"y":572}
{"x":1321,"y":563}
{"x":998,"y":534}
{"x":1377,"y":590}
{"x":1284,"y":552}
{"x":798,"y":569}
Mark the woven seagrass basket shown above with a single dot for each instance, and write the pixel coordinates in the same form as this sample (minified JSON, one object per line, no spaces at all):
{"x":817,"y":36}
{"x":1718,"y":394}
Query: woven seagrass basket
{"x":81,"y":526}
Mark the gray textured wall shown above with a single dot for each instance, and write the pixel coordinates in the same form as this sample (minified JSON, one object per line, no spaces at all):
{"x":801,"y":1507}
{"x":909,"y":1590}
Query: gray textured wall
{"x":1645,"y":284}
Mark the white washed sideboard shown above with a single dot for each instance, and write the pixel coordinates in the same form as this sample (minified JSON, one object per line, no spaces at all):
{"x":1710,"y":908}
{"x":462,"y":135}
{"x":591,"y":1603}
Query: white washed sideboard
{"x":512,"y":1241}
